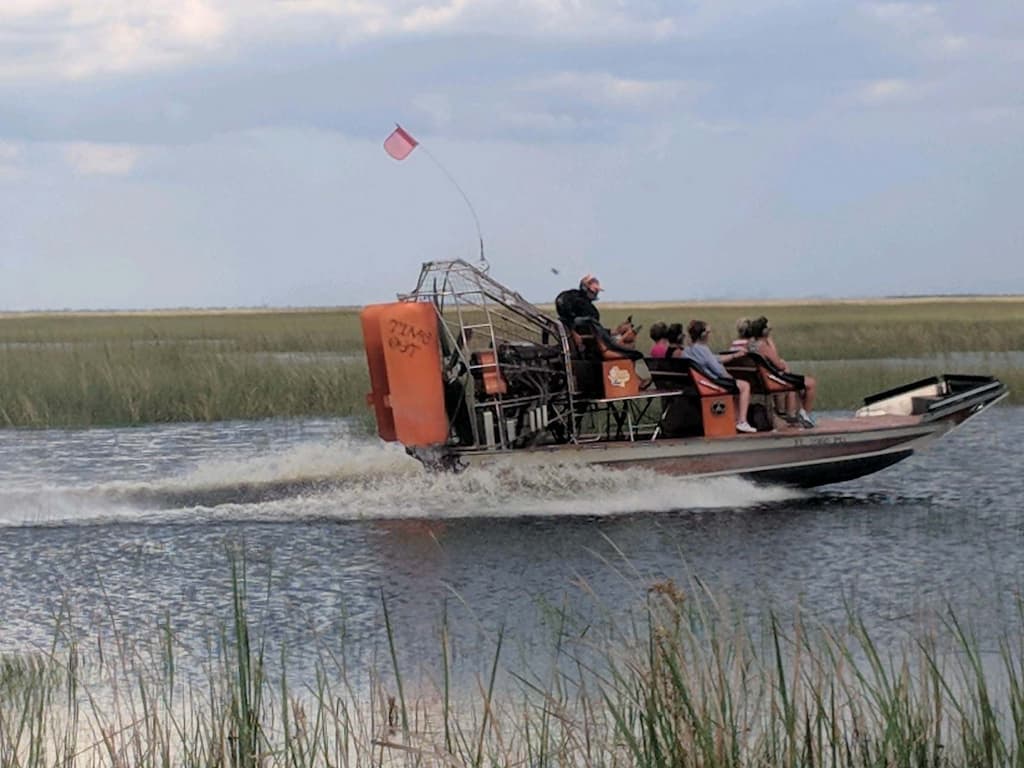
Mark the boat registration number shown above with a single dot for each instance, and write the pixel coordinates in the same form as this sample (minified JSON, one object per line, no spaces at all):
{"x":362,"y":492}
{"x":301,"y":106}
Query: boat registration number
{"x":824,"y":440}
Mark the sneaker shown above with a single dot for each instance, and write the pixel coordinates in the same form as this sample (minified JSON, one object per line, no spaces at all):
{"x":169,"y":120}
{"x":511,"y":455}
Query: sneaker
{"x":806,"y":420}
{"x":742,"y":426}
{"x":791,"y":420}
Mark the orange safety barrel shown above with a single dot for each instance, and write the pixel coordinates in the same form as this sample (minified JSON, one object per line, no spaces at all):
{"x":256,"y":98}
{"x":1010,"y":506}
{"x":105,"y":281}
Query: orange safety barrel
{"x":379,"y":392}
{"x":412,"y":360}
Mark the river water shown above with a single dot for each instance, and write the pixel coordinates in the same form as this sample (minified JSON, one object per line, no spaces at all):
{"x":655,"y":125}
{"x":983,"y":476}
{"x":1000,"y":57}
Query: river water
{"x":136,"y":528}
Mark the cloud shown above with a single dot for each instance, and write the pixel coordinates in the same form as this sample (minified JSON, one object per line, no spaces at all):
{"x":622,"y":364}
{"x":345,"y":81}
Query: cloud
{"x":71,"y":40}
{"x":89,"y":159}
{"x":606,"y":89}
{"x":159,"y":71}
{"x":67,"y":39}
{"x":952,"y":44}
{"x":10,"y":158}
{"x":901,"y":14}
{"x":551,"y":19}
{"x":884,"y":91}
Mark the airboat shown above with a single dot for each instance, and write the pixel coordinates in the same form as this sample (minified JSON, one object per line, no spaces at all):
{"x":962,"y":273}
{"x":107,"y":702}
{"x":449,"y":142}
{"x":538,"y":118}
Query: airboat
{"x":465,"y":372}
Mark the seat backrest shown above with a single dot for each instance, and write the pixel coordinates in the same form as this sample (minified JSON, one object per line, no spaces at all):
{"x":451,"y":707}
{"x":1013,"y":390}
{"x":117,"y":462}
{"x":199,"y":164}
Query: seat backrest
{"x":710,"y":385}
{"x":773,"y":378}
{"x":684,"y":373}
{"x":744,"y":369}
{"x":606,"y":345}
{"x":486,"y":371}
{"x":670,"y":372}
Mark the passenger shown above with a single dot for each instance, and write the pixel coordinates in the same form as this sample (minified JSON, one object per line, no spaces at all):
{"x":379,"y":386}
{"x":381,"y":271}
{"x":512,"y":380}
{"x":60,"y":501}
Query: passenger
{"x":659,"y":335}
{"x":675,"y":340}
{"x":742,"y":335}
{"x":701,"y":353}
{"x":624,"y":334}
{"x":798,"y":404}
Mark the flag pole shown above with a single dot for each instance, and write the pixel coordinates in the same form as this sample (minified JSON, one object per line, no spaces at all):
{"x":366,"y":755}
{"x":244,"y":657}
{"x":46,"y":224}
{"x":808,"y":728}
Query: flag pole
{"x":469,"y":204}
{"x":400,"y":144}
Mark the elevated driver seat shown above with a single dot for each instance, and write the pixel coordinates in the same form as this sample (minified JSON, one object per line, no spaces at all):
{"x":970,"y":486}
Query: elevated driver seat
{"x":604,"y":368}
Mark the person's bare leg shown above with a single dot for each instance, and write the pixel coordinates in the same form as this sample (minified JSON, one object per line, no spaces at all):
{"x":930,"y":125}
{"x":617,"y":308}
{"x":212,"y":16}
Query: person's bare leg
{"x":780,"y":402}
{"x":792,"y":403}
{"x":810,"y":391}
{"x":810,"y":388}
{"x":743,"y":400}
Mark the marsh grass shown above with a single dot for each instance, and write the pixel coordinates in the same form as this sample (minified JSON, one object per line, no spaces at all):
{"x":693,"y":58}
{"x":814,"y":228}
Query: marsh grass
{"x":845,"y":330}
{"x":133,"y":383}
{"x":85,"y":369}
{"x":684,"y":682}
{"x":844,"y":384}
{"x":27,"y":670}
{"x":328,"y":330}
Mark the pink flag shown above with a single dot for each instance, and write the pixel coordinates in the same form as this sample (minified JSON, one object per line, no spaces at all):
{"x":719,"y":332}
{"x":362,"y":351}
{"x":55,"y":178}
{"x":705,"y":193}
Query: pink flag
{"x":399,"y":144}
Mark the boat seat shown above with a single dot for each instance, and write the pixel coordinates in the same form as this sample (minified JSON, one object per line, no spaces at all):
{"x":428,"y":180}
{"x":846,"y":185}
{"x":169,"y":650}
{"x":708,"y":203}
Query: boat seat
{"x":487,"y":373}
{"x":773,"y":378}
{"x":598,"y":344}
{"x":710,"y":385}
{"x":671,"y":373}
{"x":745,"y":369}
{"x":602,"y":367}
{"x":717,"y":410}
{"x":683,"y":373}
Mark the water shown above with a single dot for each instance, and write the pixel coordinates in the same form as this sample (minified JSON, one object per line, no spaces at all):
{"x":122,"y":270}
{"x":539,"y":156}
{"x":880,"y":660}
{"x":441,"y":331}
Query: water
{"x":132,"y":528}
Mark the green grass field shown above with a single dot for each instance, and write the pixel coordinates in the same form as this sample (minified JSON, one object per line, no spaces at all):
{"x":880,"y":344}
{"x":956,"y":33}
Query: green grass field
{"x":82,"y":369}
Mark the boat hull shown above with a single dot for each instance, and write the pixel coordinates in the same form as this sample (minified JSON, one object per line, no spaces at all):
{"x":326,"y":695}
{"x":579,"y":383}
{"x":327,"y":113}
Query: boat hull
{"x":835,"y":451}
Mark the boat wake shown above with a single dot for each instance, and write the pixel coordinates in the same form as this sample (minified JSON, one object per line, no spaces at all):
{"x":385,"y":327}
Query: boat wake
{"x":358,"y":480}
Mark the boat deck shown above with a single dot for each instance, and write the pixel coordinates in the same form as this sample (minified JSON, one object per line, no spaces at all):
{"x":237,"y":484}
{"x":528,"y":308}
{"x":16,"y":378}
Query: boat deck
{"x":624,"y":415}
{"x":844,"y":424}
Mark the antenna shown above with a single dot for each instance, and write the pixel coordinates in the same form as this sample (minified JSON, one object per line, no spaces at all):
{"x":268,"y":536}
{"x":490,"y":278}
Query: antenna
{"x":400,"y":144}
{"x":472,"y":210}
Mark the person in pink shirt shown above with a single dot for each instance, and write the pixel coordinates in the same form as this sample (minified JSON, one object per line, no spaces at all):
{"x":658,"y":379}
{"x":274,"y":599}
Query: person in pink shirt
{"x":742,"y":339}
{"x":659,"y":335}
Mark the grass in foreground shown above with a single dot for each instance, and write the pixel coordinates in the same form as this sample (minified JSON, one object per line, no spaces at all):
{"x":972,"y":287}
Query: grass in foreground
{"x":683,"y":684}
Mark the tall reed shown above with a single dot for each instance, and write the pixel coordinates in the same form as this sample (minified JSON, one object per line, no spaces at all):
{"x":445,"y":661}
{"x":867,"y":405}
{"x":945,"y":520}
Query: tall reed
{"x":133,"y":384}
{"x":685,"y":683}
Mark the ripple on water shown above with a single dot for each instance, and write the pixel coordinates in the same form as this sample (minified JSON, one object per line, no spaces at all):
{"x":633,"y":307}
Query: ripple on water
{"x":136,"y":524}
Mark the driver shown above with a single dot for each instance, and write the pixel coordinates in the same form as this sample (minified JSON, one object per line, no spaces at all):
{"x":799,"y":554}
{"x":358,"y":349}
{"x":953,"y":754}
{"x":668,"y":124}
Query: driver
{"x":579,"y":302}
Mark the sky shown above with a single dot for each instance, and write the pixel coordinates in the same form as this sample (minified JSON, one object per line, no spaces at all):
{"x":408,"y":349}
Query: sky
{"x":228,"y":153}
